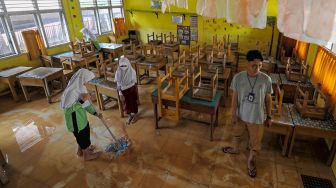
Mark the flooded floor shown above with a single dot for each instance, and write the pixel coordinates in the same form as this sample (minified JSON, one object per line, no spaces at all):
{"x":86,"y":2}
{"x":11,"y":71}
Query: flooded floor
{"x":41,"y":153}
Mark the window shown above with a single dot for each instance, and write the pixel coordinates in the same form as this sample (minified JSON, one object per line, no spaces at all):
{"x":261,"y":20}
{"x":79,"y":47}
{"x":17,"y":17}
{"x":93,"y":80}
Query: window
{"x":331,"y":46}
{"x":89,"y":20}
{"x":18,"y":15}
{"x":97,"y":14}
{"x":21,"y":23}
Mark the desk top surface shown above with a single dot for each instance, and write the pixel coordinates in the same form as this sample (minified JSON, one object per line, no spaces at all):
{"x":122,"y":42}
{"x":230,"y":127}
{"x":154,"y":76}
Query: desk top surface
{"x":284,"y":118}
{"x":40,"y":73}
{"x":187,"y":98}
{"x":275,"y":77}
{"x":328,"y":125}
{"x":285,"y":81}
{"x":13,"y":71}
{"x":110,"y":46}
{"x":101,"y":82}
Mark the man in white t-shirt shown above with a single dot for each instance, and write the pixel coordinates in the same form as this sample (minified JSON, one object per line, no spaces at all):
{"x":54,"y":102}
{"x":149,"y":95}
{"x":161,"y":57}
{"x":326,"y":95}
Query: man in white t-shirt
{"x":252,"y":91}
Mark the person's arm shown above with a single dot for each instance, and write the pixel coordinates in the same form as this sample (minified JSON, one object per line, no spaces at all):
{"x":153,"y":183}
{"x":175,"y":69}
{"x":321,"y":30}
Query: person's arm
{"x":234,"y":104}
{"x":268,"y":103}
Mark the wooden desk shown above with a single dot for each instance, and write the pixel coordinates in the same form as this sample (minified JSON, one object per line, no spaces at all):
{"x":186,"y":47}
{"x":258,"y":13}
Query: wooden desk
{"x":8,"y":76}
{"x":281,"y":68}
{"x":111,"y":48}
{"x":282,"y":124}
{"x":189,"y":103}
{"x":313,"y":128}
{"x":108,"y":88}
{"x":40,"y":77}
{"x":290,"y":88}
{"x":170,"y":48}
{"x":150,"y":65}
{"x":223,"y":77}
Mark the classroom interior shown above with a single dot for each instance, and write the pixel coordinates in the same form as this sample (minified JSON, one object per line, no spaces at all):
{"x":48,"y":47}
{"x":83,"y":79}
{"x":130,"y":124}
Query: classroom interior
{"x":185,"y":54}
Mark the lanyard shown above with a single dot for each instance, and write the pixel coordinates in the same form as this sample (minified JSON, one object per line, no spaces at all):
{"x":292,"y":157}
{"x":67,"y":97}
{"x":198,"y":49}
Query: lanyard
{"x":255,"y":81}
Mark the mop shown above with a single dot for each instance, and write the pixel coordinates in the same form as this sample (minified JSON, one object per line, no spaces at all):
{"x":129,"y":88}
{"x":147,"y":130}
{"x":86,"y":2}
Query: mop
{"x":119,"y":145}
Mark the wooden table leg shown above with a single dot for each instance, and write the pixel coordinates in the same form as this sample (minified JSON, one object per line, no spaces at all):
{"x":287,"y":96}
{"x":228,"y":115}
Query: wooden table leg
{"x":285,"y":145}
{"x":11,"y":83}
{"x":291,"y":143}
{"x":211,"y":127}
{"x":46,"y":90}
{"x":216,"y":122}
{"x":156,"y":116}
{"x":63,"y":81}
{"x":100,"y":101}
{"x":25,"y":93}
{"x":332,"y":153}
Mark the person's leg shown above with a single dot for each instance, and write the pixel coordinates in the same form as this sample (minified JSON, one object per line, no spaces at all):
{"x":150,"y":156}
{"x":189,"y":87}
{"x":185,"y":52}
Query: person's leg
{"x":2,"y":159}
{"x":134,"y":103}
{"x":256,"y":133}
{"x":238,"y":130}
{"x":127,"y":104}
{"x":84,"y":142}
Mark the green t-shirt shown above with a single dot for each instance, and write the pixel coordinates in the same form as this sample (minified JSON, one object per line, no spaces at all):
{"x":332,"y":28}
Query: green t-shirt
{"x":250,"y":106}
{"x":81,"y":117}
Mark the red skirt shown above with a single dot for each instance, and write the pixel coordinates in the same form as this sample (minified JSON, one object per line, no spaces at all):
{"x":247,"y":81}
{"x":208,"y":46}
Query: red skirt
{"x":131,"y":100}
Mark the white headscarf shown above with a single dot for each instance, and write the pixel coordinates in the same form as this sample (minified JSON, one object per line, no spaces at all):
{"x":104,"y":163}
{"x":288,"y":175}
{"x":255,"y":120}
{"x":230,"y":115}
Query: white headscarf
{"x":76,"y":87}
{"x":125,"y":75}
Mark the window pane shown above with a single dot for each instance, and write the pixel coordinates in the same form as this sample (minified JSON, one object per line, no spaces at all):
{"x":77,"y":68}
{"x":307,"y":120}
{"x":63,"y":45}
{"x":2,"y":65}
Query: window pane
{"x":86,"y":3}
{"x":103,"y":3}
{"x":105,"y":21}
{"x":49,"y":4}
{"x":334,"y":48}
{"x":329,"y":44}
{"x":53,"y":28}
{"x":117,"y":13}
{"x":89,"y":20}
{"x":20,"y":23}
{"x":116,"y":2}
{"x":5,"y":45}
{"x":19,"y":5}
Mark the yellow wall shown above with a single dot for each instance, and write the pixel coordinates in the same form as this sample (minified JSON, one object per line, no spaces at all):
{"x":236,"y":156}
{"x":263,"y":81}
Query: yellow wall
{"x":147,"y":22}
{"x":74,"y":23}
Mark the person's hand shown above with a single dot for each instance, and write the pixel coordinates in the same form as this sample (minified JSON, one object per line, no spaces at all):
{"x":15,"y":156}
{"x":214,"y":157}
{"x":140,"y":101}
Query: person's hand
{"x":85,"y":96}
{"x":268,"y":122}
{"x":234,"y":119}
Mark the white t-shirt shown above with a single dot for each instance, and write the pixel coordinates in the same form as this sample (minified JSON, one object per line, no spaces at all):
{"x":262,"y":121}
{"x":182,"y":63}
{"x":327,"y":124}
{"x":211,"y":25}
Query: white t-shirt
{"x":251,"y":96}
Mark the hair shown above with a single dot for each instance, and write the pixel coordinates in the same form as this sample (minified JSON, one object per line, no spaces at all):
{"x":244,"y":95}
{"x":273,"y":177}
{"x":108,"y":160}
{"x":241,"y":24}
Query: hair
{"x":254,"y":54}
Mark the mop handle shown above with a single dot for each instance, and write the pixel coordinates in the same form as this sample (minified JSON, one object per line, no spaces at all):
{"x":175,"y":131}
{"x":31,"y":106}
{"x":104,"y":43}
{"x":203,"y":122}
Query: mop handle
{"x":114,"y":138}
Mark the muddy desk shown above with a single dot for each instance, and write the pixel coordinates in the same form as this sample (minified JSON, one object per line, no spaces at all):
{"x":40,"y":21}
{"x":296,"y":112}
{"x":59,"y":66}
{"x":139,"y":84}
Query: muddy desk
{"x":8,"y":76}
{"x":290,"y":88}
{"x":282,"y":124}
{"x":108,"y":88}
{"x":40,"y":77}
{"x":111,"y":48}
{"x":192,"y":104}
{"x":148,"y":64}
{"x":314,"y":128}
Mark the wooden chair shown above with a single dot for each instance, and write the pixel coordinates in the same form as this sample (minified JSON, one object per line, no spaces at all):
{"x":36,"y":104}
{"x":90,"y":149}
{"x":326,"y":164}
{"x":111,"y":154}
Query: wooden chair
{"x":66,"y":63}
{"x":159,"y":37}
{"x":172,"y":88}
{"x":309,"y":107}
{"x":295,"y":75}
{"x":82,"y":48}
{"x":169,"y":39}
{"x":201,"y":90}
{"x":277,"y":99}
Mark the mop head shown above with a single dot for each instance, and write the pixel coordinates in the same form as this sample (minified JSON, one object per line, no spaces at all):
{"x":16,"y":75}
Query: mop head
{"x":118,"y":147}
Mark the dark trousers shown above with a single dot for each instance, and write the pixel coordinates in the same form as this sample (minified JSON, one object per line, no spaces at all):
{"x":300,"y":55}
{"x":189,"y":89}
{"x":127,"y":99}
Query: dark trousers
{"x":131,"y":100}
{"x":83,"y":136}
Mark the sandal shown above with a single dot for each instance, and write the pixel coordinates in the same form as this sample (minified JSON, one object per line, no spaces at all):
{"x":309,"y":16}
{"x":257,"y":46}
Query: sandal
{"x":134,"y":119}
{"x":253,"y":171}
{"x":229,"y":150}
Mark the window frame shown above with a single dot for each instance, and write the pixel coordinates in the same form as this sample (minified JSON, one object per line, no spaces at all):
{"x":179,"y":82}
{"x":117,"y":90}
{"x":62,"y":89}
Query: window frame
{"x":37,"y":15}
{"x":96,"y":9}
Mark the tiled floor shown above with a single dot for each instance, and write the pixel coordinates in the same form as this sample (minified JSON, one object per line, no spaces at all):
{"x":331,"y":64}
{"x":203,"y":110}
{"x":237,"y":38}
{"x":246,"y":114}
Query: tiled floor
{"x":41,"y":153}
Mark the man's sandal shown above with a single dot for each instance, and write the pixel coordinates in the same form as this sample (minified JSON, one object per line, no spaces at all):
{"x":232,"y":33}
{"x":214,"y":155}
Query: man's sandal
{"x":253,"y":171}
{"x":229,"y":150}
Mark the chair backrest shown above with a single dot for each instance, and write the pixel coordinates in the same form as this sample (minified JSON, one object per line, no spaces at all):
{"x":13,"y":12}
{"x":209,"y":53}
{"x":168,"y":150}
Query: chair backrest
{"x":150,"y":37}
{"x":278,"y":98}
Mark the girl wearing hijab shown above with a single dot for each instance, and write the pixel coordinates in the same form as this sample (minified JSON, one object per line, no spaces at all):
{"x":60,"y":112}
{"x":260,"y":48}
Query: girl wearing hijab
{"x":75,"y":102}
{"x":126,"y":81}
